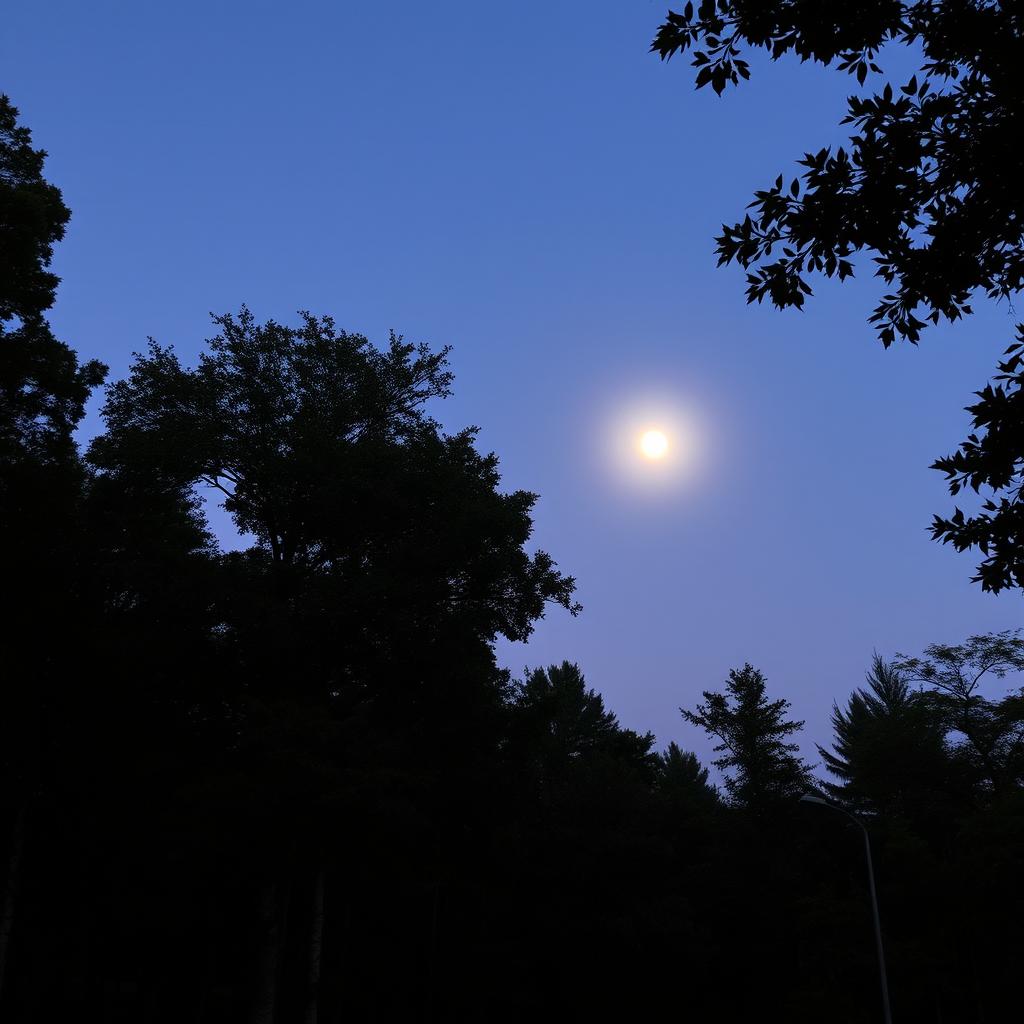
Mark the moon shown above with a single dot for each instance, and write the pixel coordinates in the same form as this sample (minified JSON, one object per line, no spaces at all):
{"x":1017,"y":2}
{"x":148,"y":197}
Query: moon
{"x":654,"y":445}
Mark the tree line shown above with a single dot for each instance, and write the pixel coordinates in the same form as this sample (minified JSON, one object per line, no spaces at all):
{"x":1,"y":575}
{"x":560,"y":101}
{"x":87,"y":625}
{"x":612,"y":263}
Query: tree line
{"x":290,"y":782}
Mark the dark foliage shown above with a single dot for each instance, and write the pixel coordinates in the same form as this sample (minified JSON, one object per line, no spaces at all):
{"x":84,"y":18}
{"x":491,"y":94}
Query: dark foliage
{"x":929,"y":184}
{"x":889,"y":752}
{"x":929,"y":179}
{"x":289,"y":782}
{"x":991,"y":458}
{"x":32,"y":217}
{"x":760,"y":764}
{"x":990,"y":733}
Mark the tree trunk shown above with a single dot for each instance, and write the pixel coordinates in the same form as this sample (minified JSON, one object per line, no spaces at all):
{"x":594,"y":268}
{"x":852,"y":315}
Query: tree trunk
{"x":12,"y":888}
{"x":432,"y":953}
{"x":342,"y":970}
{"x":316,"y":945}
{"x":209,"y":978}
{"x":268,"y":959}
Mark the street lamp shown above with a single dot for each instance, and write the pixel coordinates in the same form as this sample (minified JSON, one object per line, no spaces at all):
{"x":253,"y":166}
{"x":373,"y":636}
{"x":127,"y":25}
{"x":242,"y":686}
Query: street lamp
{"x":810,"y":798}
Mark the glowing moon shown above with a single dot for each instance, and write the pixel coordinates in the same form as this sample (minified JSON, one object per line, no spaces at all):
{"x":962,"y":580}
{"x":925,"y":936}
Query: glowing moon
{"x":654,"y":444}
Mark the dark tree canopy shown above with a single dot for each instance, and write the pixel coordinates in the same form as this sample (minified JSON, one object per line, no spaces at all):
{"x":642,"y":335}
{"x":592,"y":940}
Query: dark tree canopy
{"x":43,"y":390}
{"x":929,"y":184}
{"x":290,"y":782}
{"x":32,"y":217}
{"x":683,"y":780}
{"x":564,"y":723}
{"x":988,"y":734}
{"x":42,"y":387}
{"x":267,"y":418}
{"x":365,"y":514}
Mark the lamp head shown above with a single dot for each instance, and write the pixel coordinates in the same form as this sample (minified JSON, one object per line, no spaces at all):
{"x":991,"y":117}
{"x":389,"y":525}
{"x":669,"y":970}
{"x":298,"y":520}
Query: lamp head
{"x":811,"y":798}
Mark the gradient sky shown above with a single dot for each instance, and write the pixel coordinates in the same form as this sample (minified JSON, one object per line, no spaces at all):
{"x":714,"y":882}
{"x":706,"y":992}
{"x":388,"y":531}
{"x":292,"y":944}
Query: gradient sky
{"x":527,"y":184}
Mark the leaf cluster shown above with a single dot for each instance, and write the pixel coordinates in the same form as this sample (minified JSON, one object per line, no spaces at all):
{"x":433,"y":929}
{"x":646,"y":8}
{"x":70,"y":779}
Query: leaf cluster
{"x":991,"y":459}
{"x":991,"y":731}
{"x":928,"y":182}
{"x":32,"y":218}
{"x":43,"y":388}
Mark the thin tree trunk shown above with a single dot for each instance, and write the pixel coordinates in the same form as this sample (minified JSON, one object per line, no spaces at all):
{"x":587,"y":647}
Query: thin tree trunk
{"x":268,"y":960}
{"x":432,"y":952}
{"x":152,"y":1002}
{"x":316,"y":945}
{"x":12,"y":889}
{"x":342,"y":969}
{"x":209,"y":978}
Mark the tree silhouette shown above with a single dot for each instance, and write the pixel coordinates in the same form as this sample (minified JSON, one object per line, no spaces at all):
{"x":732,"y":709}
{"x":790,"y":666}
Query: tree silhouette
{"x":889,"y":751}
{"x":43,"y":390}
{"x":42,"y":387}
{"x":992,"y":732}
{"x":927,"y":184}
{"x":319,"y":444}
{"x":290,"y":781}
{"x":681,"y":772}
{"x":683,"y":782}
{"x":927,"y":181}
{"x":567,"y":723}
{"x":990,"y":459}
{"x":33,"y":216}
{"x":760,"y":766}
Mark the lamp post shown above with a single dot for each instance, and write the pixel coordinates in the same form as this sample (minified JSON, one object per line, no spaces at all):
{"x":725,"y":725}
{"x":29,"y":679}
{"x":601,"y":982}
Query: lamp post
{"x":810,"y":798}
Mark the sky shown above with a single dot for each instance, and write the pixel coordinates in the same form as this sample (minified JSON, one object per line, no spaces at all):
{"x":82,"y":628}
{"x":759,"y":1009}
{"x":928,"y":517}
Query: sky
{"x":530,"y":186}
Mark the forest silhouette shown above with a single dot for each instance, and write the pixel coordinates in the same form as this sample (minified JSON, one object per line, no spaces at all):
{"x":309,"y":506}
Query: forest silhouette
{"x":290,"y":782}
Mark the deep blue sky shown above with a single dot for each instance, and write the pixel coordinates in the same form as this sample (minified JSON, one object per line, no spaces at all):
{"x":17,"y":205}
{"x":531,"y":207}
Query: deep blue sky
{"x":527,"y":184}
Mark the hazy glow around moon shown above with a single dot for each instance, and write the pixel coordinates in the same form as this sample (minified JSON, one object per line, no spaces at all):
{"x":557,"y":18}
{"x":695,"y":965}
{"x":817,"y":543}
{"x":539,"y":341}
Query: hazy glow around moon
{"x":654,"y":444}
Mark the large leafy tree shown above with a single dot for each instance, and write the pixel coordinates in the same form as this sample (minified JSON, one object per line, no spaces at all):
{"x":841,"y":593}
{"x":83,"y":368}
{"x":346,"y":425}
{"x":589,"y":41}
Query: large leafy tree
{"x":373,"y":529}
{"x":378,"y":561}
{"x":928,"y":186}
{"x":32,"y":218}
{"x":42,"y":386}
{"x":988,"y":734}
{"x":43,"y":390}
{"x":759,"y":759}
